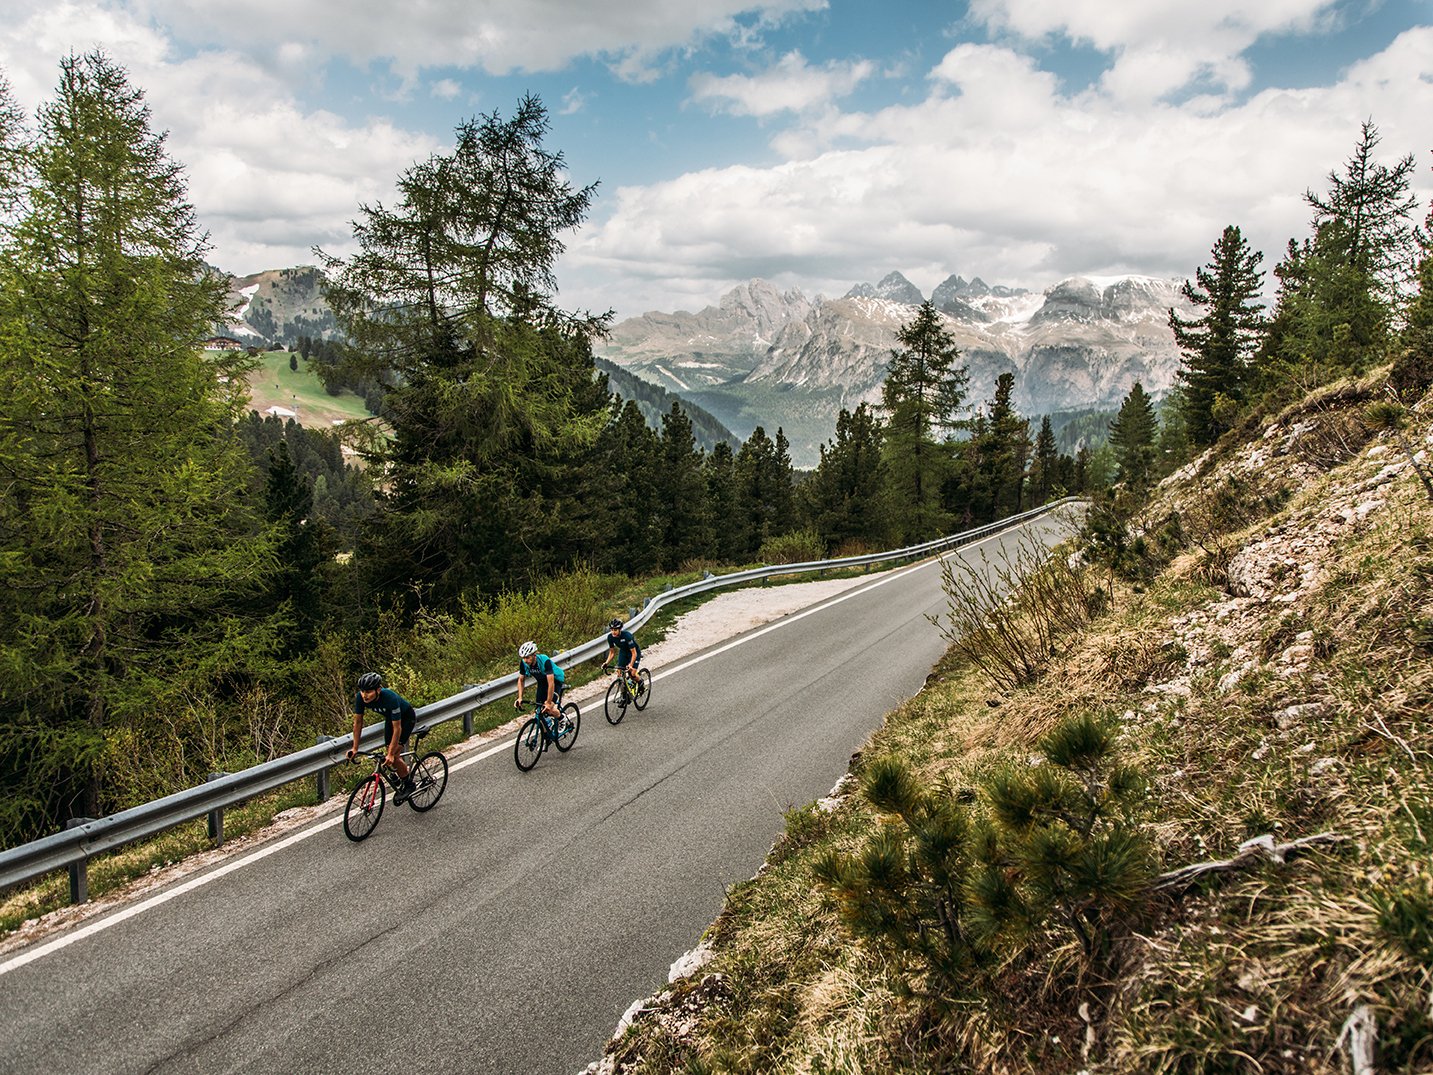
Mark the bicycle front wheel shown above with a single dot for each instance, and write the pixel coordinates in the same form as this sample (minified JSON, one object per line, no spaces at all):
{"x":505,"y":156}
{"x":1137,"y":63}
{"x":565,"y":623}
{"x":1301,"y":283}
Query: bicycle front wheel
{"x":528,"y":747}
{"x":430,"y":778}
{"x":644,"y":689}
{"x":365,"y":807}
{"x":615,"y":704}
{"x":567,"y":725}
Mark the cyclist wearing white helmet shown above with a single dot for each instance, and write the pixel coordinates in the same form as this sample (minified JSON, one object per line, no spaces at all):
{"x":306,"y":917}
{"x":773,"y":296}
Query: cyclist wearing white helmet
{"x":545,"y":671}
{"x":398,"y":719}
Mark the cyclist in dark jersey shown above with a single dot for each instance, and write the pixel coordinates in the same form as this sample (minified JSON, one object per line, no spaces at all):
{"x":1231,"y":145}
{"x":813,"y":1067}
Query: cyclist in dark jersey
{"x":624,"y":644}
{"x":547,"y":673}
{"x":398,"y":719}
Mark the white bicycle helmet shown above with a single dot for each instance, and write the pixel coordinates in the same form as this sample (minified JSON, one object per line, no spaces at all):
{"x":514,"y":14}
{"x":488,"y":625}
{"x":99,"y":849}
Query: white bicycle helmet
{"x":526,"y":650}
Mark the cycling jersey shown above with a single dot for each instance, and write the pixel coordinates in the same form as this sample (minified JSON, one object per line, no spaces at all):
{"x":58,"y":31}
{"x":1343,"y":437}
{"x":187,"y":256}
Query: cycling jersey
{"x":625,"y":643}
{"x":541,"y":667}
{"x":391,"y":706}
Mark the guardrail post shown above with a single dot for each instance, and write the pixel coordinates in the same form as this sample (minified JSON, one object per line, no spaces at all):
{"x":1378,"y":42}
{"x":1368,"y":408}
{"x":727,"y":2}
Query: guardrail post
{"x":468,"y":715}
{"x":79,"y":871}
{"x":321,"y":789}
{"x":216,"y":817}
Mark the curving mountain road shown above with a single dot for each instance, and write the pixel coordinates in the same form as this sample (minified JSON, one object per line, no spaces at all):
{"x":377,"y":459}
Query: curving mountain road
{"x":508,"y":929}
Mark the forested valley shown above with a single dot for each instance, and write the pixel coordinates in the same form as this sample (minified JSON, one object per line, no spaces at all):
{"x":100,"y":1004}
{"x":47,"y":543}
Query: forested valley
{"x":190,"y":588}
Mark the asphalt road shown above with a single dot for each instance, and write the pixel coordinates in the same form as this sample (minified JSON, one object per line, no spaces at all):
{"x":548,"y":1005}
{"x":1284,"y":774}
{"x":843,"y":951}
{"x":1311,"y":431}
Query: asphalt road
{"x":509,"y":928}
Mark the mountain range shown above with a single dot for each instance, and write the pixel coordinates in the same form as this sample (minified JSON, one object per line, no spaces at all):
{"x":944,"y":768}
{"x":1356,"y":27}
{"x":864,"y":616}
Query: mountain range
{"x":764,"y":356}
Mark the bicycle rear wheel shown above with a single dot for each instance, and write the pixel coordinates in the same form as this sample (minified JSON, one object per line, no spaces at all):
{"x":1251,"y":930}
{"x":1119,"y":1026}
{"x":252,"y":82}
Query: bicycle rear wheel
{"x":365,"y":807}
{"x":567,"y":726}
{"x":528,"y":747}
{"x":614,"y":706}
{"x":430,"y":778}
{"x":644,"y":689}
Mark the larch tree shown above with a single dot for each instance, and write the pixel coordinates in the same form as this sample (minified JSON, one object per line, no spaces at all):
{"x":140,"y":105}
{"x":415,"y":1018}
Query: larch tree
{"x":1341,"y":290}
{"x":449,"y":300}
{"x":128,"y":546}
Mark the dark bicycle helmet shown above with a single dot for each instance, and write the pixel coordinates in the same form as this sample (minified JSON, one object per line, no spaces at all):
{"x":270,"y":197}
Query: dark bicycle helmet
{"x":370,"y":681}
{"x":615,"y":625}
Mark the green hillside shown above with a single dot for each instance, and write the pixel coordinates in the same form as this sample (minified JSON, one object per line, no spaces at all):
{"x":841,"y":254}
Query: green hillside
{"x":274,"y":384}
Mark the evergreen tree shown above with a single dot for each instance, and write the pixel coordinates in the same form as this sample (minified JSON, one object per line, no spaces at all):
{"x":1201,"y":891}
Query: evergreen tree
{"x":846,"y":497}
{"x":1132,"y":436}
{"x":763,"y":483}
{"x":1044,"y":465}
{"x":301,"y":552}
{"x":1001,"y":450}
{"x":1173,"y":449}
{"x":1412,"y":371}
{"x":1340,"y":290}
{"x":679,"y":491}
{"x":449,"y":299}
{"x":1219,"y":344}
{"x":126,"y":544}
{"x":728,"y":539}
{"x":626,"y":457}
{"x":922,"y":396}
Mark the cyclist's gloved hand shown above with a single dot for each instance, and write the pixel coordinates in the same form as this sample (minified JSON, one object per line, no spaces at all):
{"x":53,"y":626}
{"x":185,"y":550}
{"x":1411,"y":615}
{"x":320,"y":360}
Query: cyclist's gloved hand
{"x":517,"y":703}
{"x":350,"y":753}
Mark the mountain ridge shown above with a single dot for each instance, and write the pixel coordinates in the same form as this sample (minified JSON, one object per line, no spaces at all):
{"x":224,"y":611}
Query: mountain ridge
{"x":763,"y":356}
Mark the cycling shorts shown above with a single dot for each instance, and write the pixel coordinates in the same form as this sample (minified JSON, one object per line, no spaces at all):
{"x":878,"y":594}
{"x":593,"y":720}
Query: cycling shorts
{"x":405,"y":730}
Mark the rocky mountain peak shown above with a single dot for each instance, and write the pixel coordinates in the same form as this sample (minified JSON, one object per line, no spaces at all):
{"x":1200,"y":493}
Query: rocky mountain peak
{"x":893,"y":286}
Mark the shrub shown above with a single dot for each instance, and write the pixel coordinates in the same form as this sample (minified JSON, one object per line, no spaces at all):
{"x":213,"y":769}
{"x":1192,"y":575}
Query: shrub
{"x":1006,"y":617}
{"x":950,"y":892}
{"x":798,"y":547}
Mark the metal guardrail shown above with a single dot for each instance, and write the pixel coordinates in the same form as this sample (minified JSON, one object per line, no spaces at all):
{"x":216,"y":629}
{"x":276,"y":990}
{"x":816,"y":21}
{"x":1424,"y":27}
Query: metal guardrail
{"x":73,"y":848}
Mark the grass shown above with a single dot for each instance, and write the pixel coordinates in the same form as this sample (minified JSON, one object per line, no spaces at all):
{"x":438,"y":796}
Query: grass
{"x":274,"y":384}
{"x":1329,"y":727}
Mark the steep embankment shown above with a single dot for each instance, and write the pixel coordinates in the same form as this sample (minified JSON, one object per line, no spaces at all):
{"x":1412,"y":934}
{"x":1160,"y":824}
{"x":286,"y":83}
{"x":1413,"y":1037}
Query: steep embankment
{"x":1271,"y":684}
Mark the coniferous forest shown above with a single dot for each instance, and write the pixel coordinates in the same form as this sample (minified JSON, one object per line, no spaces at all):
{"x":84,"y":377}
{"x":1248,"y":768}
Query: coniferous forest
{"x":189,"y":587}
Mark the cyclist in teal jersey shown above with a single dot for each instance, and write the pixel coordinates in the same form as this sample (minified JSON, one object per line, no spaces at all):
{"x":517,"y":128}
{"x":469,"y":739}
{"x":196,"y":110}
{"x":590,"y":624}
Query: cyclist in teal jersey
{"x":547,"y":673}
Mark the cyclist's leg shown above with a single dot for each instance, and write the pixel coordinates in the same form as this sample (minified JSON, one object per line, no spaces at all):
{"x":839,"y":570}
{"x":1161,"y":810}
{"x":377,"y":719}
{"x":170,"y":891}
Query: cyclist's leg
{"x":405,"y":730}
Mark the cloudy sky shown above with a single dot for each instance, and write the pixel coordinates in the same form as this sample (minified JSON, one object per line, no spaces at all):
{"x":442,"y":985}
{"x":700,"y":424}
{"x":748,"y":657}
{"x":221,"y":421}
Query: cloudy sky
{"x":814,"y":143}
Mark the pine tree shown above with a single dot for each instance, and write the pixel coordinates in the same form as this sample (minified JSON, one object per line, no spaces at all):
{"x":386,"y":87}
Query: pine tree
{"x":1219,"y":344}
{"x":679,"y":491}
{"x":922,"y":397}
{"x":728,"y":540}
{"x":1001,"y":449}
{"x":126,"y":544}
{"x":1341,"y":288}
{"x":1412,"y":371}
{"x":301,"y":552}
{"x":1044,"y":465}
{"x":763,"y":484}
{"x":846,"y":497}
{"x":1132,"y":436}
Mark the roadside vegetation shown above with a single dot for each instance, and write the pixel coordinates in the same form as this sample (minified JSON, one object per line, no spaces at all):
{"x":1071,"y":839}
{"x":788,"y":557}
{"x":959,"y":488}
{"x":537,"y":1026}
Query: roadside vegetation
{"x":1189,"y":834}
{"x":1167,"y":809}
